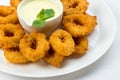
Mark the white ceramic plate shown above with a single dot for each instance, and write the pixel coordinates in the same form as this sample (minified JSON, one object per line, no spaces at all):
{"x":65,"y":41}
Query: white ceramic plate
{"x":99,"y":42}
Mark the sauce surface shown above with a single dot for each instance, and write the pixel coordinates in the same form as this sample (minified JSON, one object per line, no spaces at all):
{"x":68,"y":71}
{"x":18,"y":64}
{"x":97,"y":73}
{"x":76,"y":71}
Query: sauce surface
{"x":30,"y":10}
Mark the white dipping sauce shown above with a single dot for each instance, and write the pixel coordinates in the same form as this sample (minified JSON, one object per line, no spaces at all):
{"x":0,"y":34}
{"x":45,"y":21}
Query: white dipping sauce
{"x":30,"y":10}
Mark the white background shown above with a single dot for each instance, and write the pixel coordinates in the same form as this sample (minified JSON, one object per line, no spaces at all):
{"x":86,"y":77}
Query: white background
{"x":106,"y":68}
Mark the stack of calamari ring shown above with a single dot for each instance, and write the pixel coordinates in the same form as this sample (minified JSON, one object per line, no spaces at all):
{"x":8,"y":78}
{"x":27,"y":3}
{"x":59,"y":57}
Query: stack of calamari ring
{"x":78,"y":23}
{"x":21,"y":47}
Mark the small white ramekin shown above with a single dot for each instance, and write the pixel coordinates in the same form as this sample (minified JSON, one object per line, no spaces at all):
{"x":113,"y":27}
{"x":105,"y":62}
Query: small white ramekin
{"x":50,"y":25}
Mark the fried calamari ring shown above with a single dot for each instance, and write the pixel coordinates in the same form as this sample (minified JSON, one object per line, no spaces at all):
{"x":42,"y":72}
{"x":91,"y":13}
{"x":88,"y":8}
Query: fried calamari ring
{"x":10,"y":35}
{"x":13,"y":18}
{"x":74,"y":6}
{"x":8,"y":15}
{"x":79,"y":24}
{"x":53,"y":58}
{"x":62,"y":42}
{"x":15,"y":3}
{"x":34,"y":46}
{"x":81,"y":45}
{"x":6,"y":10}
{"x":14,"y":55}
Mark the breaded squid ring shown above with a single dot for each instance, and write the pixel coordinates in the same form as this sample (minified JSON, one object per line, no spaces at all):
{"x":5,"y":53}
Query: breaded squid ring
{"x":6,"y":10}
{"x":81,"y":45}
{"x":15,"y":3}
{"x":10,"y":35}
{"x":79,"y":24}
{"x":8,"y":15}
{"x":14,"y":55}
{"x":53,"y":58}
{"x":62,"y":42}
{"x":13,"y":18}
{"x":34,"y":46}
{"x":74,"y":6}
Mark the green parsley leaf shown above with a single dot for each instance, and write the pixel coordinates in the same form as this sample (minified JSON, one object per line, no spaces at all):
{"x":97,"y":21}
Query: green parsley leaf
{"x":38,"y":23}
{"x":46,"y":14}
{"x":42,"y":16}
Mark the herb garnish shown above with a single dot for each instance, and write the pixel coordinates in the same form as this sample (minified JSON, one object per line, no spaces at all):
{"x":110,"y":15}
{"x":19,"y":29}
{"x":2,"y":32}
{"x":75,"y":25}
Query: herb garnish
{"x":42,"y":16}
